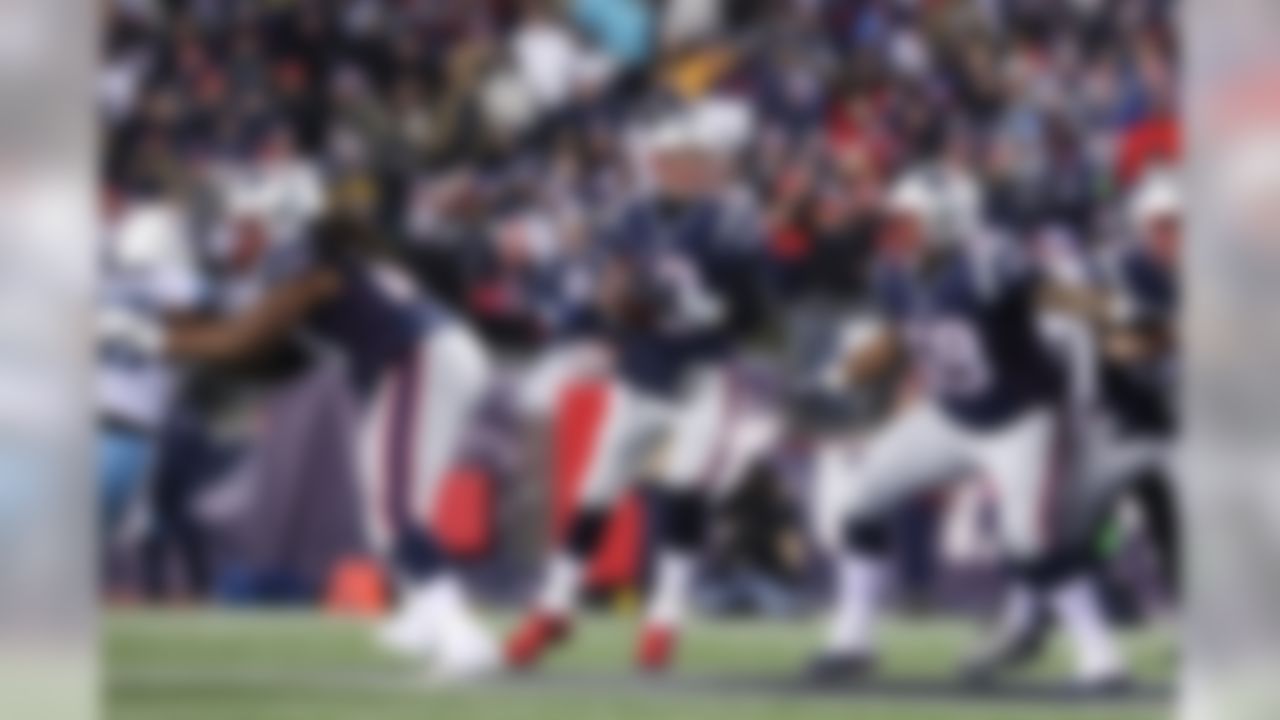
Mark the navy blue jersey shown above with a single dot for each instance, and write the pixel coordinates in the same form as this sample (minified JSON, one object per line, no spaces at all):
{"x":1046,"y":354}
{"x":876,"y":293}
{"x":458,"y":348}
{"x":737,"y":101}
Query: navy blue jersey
{"x":374,"y":322}
{"x":701,"y":264}
{"x":558,"y":295}
{"x":1142,"y":393}
{"x":1150,"y":288}
{"x":971,"y":325}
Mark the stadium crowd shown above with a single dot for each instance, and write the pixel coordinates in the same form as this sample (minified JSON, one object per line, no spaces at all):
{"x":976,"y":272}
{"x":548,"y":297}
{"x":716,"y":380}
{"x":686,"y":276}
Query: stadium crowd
{"x":488,"y":141}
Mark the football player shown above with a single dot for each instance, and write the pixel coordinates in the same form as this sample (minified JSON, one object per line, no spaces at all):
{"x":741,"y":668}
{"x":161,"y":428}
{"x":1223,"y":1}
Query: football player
{"x":1140,"y":368}
{"x":155,"y":322}
{"x":421,"y":375}
{"x":965,"y":311}
{"x":677,"y":283}
{"x":1128,"y":418}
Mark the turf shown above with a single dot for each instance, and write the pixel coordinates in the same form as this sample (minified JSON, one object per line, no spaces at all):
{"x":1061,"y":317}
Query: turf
{"x":211,"y":665}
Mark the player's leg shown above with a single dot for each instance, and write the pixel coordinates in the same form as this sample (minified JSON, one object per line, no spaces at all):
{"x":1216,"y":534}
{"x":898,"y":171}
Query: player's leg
{"x":454,"y":379}
{"x":1111,"y":467}
{"x":544,"y":384}
{"x":1127,"y":466}
{"x":1139,"y":466}
{"x":1028,"y":467}
{"x":833,"y":460}
{"x":915,"y":450}
{"x":544,"y":380}
{"x":630,"y":429}
{"x":698,"y":450}
{"x":415,"y":433}
{"x":1024,"y":621}
{"x":124,"y":463}
{"x":1098,"y":473}
{"x":1157,"y":495}
{"x":381,"y":480}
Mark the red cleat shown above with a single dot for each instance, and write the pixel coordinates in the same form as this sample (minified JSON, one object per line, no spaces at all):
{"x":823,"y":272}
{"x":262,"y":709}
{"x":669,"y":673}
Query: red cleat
{"x":538,"y":633}
{"x":657,"y":648}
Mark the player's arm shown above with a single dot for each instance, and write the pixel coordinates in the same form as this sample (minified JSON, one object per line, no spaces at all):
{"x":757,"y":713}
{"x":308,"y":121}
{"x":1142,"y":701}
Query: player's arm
{"x":1124,"y":336}
{"x":1016,"y":274}
{"x":1087,"y":303}
{"x":192,"y":337}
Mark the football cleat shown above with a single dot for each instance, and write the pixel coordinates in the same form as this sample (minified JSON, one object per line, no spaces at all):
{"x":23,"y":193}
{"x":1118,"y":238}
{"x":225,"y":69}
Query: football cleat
{"x":408,"y":633}
{"x":656,"y":649}
{"x":1107,"y":685}
{"x":537,"y":634}
{"x":464,"y":653}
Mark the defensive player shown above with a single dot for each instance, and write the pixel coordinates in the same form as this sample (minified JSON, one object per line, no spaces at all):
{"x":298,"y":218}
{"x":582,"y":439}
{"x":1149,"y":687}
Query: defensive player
{"x":155,"y":321}
{"x":421,"y":375}
{"x":966,"y":314}
{"x":676,"y":284}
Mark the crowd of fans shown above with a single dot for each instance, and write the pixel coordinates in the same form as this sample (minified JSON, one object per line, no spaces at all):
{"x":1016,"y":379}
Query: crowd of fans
{"x":506,"y":124}
{"x":487,"y":139}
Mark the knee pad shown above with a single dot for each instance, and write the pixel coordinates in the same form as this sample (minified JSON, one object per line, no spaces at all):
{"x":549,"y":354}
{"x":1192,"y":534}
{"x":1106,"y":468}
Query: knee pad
{"x":586,"y":531}
{"x":684,"y":518}
{"x":866,"y":536}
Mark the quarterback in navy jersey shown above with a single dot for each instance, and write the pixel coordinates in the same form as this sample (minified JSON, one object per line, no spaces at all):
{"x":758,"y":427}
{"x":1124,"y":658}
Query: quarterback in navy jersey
{"x":677,"y":284}
{"x":421,"y":376}
{"x":963,"y":309}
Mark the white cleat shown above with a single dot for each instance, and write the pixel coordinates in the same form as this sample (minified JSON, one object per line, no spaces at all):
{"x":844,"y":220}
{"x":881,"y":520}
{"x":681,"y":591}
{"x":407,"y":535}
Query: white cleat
{"x":1111,"y":684}
{"x":408,"y":634}
{"x":464,"y":654}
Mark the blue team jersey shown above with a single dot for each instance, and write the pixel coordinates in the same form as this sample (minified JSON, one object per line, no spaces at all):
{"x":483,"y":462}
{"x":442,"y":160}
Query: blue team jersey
{"x":702,"y":260}
{"x":559,"y":297}
{"x":374,"y":322}
{"x":1150,"y":288}
{"x":1142,"y":394}
{"x":971,"y":326}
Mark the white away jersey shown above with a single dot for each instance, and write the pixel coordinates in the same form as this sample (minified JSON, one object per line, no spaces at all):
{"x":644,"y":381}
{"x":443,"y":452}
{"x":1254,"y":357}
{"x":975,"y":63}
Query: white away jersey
{"x":136,"y":382}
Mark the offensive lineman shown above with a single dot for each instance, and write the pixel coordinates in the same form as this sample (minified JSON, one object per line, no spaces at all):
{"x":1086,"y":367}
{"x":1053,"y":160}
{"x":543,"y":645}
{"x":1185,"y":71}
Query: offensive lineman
{"x":965,"y":313}
{"x":422,"y":376}
{"x":1128,"y":441}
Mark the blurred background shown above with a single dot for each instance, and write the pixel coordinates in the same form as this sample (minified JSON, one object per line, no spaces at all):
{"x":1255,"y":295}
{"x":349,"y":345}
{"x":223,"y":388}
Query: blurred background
{"x":487,"y":140}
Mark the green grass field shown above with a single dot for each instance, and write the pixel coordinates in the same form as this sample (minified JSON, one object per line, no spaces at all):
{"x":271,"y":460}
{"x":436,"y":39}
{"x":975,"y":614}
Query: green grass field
{"x":297,"y":666}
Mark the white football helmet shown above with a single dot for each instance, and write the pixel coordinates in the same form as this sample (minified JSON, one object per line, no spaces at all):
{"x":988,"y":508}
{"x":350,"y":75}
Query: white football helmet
{"x":151,"y":237}
{"x":1156,"y":197}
